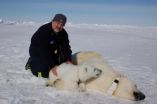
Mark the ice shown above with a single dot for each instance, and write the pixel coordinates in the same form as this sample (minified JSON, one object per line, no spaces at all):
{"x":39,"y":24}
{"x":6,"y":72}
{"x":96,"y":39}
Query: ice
{"x":131,"y":50}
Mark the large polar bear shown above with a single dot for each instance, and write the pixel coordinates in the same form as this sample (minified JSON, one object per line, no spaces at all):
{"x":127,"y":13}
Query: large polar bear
{"x":110,"y":82}
{"x":69,"y":76}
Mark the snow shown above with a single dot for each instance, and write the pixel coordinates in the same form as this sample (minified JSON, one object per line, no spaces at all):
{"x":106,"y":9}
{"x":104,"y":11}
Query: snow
{"x":1,"y":21}
{"x":131,"y":50}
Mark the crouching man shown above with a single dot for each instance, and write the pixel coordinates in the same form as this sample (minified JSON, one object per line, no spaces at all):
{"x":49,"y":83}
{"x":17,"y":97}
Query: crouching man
{"x":49,"y":47}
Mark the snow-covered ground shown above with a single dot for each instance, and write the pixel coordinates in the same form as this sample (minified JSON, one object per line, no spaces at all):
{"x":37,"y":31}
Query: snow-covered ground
{"x":131,"y":50}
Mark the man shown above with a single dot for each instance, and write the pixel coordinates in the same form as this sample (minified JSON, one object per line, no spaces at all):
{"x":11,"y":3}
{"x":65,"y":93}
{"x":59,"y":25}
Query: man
{"x":49,"y":47}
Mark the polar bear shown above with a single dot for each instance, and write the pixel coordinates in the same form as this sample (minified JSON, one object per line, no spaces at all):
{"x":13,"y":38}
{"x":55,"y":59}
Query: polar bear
{"x":69,"y":76}
{"x":110,"y":82}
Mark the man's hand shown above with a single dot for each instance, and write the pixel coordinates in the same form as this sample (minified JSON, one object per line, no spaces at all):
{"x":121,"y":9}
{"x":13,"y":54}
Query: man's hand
{"x":54,"y":70}
{"x":68,"y":62}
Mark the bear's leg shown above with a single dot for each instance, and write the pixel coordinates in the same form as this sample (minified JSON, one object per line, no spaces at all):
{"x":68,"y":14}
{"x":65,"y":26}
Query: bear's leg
{"x":81,"y":87}
{"x":51,"y":82}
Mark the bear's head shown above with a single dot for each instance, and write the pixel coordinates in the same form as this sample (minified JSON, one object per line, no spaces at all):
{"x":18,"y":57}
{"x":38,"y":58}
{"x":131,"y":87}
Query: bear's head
{"x":127,"y":89}
{"x":86,"y":72}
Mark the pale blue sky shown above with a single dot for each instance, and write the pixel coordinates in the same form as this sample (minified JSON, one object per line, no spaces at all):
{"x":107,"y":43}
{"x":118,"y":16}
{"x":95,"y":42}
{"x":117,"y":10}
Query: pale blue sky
{"x":123,"y":12}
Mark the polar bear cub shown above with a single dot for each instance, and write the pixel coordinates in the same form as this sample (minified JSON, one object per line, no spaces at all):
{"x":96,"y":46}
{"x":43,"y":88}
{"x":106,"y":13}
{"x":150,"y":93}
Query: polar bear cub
{"x":69,"y":76}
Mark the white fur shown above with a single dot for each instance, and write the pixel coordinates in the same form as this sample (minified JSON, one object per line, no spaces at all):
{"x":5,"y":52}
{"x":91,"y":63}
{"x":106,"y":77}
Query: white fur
{"x":68,"y":76}
{"x":125,"y":87}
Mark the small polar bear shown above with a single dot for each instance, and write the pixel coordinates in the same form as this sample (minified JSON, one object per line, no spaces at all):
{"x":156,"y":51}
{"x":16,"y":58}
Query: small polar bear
{"x":110,"y":82}
{"x":69,"y":76}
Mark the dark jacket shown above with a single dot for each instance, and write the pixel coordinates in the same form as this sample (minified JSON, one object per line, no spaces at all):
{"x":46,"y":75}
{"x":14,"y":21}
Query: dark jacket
{"x":48,"y":49}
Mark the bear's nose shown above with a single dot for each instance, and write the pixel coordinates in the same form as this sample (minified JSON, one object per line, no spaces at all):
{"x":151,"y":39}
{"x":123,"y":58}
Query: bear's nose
{"x":139,"y":96}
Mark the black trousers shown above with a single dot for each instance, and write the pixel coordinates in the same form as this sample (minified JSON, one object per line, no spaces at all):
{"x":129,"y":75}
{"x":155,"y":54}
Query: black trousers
{"x":30,"y":65}
{"x":40,"y":72}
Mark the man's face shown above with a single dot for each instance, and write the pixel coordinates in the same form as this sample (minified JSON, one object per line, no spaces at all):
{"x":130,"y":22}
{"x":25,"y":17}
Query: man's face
{"x":57,"y":26}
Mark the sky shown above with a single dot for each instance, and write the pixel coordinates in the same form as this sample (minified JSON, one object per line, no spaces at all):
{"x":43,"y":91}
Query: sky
{"x":118,"y":12}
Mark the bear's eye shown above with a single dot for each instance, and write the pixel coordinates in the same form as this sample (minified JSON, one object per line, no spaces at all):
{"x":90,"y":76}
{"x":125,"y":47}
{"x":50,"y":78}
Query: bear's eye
{"x":86,"y":69}
{"x":95,"y":69}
